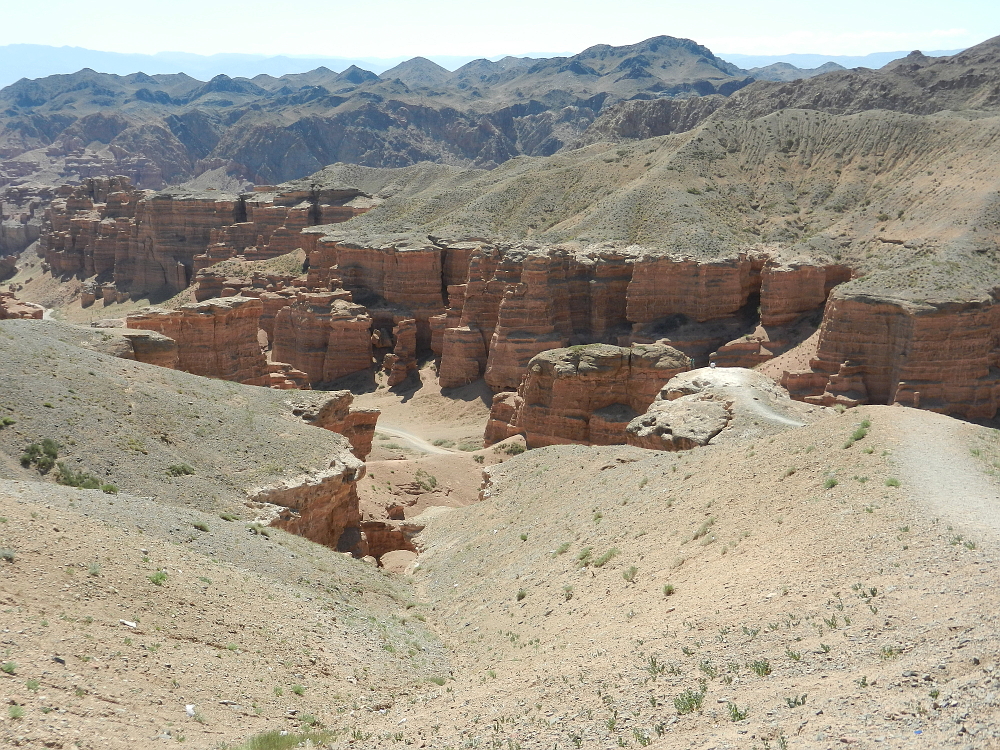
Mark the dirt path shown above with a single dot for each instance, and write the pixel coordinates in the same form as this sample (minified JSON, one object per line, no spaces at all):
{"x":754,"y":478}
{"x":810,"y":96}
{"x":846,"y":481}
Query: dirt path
{"x":941,"y":472}
{"x":414,"y":440}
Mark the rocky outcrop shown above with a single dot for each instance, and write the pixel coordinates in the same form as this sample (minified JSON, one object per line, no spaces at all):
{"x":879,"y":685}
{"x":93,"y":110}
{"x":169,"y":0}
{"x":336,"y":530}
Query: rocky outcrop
{"x":338,"y":415}
{"x":402,"y":360}
{"x":789,"y":290}
{"x":678,"y":425}
{"x":716,"y":404}
{"x":217,"y":339}
{"x":324,"y":335}
{"x":156,"y":242}
{"x":321,"y":506}
{"x":405,"y":276}
{"x":944,"y":357}
{"x":12,"y":307}
{"x":153,"y":348}
{"x":584,"y":394}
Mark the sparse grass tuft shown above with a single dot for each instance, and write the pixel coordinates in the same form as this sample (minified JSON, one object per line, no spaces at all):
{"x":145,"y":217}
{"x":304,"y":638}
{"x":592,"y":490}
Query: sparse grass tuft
{"x":892,"y":482}
{"x":179,"y":470}
{"x":158,"y":578}
{"x":604,"y":559}
{"x":760,"y":667}
{"x":736,"y":713}
{"x":689,"y":701}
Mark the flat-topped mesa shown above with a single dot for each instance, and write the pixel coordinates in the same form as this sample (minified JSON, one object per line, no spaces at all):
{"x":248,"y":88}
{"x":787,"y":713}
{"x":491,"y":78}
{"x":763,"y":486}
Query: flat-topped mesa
{"x":324,"y":335}
{"x":217,"y":338}
{"x":154,"y":242}
{"x":170,"y":230}
{"x":944,"y":357}
{"x":584,"y":394}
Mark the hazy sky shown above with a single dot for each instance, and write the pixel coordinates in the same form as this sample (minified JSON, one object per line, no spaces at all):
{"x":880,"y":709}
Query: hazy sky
{"x":391,"y":28}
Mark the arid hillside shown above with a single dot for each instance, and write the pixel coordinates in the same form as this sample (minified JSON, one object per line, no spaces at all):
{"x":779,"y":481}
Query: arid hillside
{"x":826,"y":585}
{"x":165,"y":129}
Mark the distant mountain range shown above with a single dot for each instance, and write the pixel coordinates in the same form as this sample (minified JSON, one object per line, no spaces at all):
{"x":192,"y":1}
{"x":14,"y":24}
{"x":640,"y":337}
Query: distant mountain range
{"x":19,"y":61}
{"x":875,"y":60}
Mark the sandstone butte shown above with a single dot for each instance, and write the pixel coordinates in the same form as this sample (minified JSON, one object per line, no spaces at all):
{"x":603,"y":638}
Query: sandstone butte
{"x":487,"y":308}
{"x":584,"y":394}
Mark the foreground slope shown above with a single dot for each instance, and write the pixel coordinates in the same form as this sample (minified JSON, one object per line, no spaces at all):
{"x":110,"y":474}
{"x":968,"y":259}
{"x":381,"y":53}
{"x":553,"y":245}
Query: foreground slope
{"x":120,"y":612}
{"x":803,"y":571}
{"x":829,"y":584}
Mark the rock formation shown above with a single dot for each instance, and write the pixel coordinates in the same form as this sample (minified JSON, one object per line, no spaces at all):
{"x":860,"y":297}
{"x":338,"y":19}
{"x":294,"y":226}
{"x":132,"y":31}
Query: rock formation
{"x":217,"y":339}
{"x":324,"y":335}
{"x":938,"y":356}
{"x":150,"y":242}
{"x":153,"y":348}
{"x":12,"y":307}
{"x":337,"y":415}
{"x":321,"y":506}
{"x":584,"y":394}
{"x":714,"y":404}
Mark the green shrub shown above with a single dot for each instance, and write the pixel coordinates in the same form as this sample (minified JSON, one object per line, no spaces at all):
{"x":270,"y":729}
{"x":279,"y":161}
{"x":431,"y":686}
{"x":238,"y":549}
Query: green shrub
{"x":158,"y":578}
{"x":521,"y":593}
{"x":8,"y":667}
{"x":689,"y":701}
{"x":761,"y":667}
{"x":892,"y":482}
{"x":179,"y":470}
{"x":201,"y":526}
{"x":607,"y":557}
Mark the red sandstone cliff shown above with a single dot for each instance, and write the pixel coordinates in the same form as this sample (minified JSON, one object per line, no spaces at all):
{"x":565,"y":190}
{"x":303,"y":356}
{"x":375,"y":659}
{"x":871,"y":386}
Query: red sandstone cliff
{"x":217,"y":339}
{"x":585,"y":394}
{"x":944,"y":357}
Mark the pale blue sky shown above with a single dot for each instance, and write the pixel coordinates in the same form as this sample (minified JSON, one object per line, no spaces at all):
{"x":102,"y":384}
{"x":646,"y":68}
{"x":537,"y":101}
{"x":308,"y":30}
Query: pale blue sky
{"x":391,"y":28}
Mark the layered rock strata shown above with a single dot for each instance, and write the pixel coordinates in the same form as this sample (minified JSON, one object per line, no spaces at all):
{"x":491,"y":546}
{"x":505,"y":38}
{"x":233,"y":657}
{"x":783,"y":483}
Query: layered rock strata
{"x":944,"y":357}
{"x":321,"y":506}
{"x":156,"y":242}
{"x":584,"y":394}
{"x":324,"y":335}
{"x":338,"y":415}
{"x":217,"y":339}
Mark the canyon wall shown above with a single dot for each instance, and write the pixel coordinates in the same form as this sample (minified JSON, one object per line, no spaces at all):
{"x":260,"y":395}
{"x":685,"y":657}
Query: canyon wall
{"x":486,"y":309}
{"x":584,"y":394}
{"x":155,"y":242}
{"x":944,"y":357}
{"x":217,"y":339}
{"x":321,"y":506}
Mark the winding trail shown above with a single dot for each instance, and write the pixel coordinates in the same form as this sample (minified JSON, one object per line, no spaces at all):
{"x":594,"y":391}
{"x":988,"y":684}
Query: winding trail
{"x":941,"y":473}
